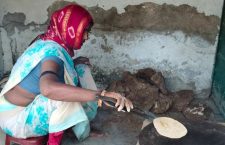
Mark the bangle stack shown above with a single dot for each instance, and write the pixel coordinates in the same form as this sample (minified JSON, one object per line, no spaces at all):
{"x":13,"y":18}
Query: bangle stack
{"x":103,"y":93}
{"x":99,"y":101}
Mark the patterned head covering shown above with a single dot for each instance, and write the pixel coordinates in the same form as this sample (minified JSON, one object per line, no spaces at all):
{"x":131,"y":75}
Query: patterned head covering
{"x":67,"y":26}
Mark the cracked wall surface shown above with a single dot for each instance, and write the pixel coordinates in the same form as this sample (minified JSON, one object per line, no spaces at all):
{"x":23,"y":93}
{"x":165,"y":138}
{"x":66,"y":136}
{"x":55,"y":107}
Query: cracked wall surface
{"x":153,"y":17}
{"x":176,"y":37}
{"x":158,"y":18}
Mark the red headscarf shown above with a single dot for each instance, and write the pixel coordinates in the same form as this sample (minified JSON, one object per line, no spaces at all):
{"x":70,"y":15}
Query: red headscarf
{"x":67,"y":26}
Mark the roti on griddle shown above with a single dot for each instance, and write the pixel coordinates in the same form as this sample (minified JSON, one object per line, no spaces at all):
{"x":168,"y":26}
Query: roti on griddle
{"x":169,"y":127}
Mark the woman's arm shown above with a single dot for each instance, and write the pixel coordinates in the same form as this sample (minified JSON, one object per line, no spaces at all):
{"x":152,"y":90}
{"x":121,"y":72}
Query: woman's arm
{"x":53,"y":89}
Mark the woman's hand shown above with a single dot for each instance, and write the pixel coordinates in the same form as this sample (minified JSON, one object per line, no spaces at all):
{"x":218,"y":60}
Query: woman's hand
{"x":82,"y":60}
{"x":121,"y":100}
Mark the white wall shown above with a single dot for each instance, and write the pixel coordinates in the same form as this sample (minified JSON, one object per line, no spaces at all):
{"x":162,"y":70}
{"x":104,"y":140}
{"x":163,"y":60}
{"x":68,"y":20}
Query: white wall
{"x":186,"y":62}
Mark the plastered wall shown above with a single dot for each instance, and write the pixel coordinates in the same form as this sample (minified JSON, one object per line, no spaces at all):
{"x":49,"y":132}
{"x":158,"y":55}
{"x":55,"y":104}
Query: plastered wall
{"x":176,"y":37}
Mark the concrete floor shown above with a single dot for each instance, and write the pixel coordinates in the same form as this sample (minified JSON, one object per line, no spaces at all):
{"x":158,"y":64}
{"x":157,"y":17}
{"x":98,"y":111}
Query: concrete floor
{"x":119,"y":128}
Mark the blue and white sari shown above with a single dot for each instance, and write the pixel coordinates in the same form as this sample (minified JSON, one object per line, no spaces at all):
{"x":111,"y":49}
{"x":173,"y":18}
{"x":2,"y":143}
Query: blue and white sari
{"x":44,"y":115}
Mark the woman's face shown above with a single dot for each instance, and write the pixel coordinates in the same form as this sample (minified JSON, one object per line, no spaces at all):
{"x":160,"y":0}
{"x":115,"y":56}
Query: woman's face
{"x":85,"y":36}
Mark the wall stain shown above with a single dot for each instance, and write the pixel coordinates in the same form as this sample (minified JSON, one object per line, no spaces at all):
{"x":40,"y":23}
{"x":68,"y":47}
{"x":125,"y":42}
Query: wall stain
{"x":12,"y":20}
{"x":93,"y":41}
{"x":158,"y":18}
{"x":106,"y":48}
{"x":155,"y":18}
{"x":146,"y":16}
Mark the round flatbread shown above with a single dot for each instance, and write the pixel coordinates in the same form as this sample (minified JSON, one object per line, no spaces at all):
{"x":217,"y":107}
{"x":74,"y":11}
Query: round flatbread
{"x":169,"y":127}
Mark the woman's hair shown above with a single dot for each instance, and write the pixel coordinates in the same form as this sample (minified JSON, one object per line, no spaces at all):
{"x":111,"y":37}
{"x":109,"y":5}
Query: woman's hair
{"x":89,"y":26}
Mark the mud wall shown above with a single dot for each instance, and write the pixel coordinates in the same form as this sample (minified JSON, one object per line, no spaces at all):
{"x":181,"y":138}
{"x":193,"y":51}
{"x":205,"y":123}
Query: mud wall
{"x":176,"y":37}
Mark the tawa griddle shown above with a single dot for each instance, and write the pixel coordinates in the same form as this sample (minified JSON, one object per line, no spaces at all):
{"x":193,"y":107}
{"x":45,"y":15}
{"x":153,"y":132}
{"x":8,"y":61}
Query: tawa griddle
{"x":199,"y":133}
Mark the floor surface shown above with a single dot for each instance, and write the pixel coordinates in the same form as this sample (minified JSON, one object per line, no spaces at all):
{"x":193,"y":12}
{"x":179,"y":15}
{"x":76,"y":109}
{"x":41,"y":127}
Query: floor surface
{"x":119,"y":128}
